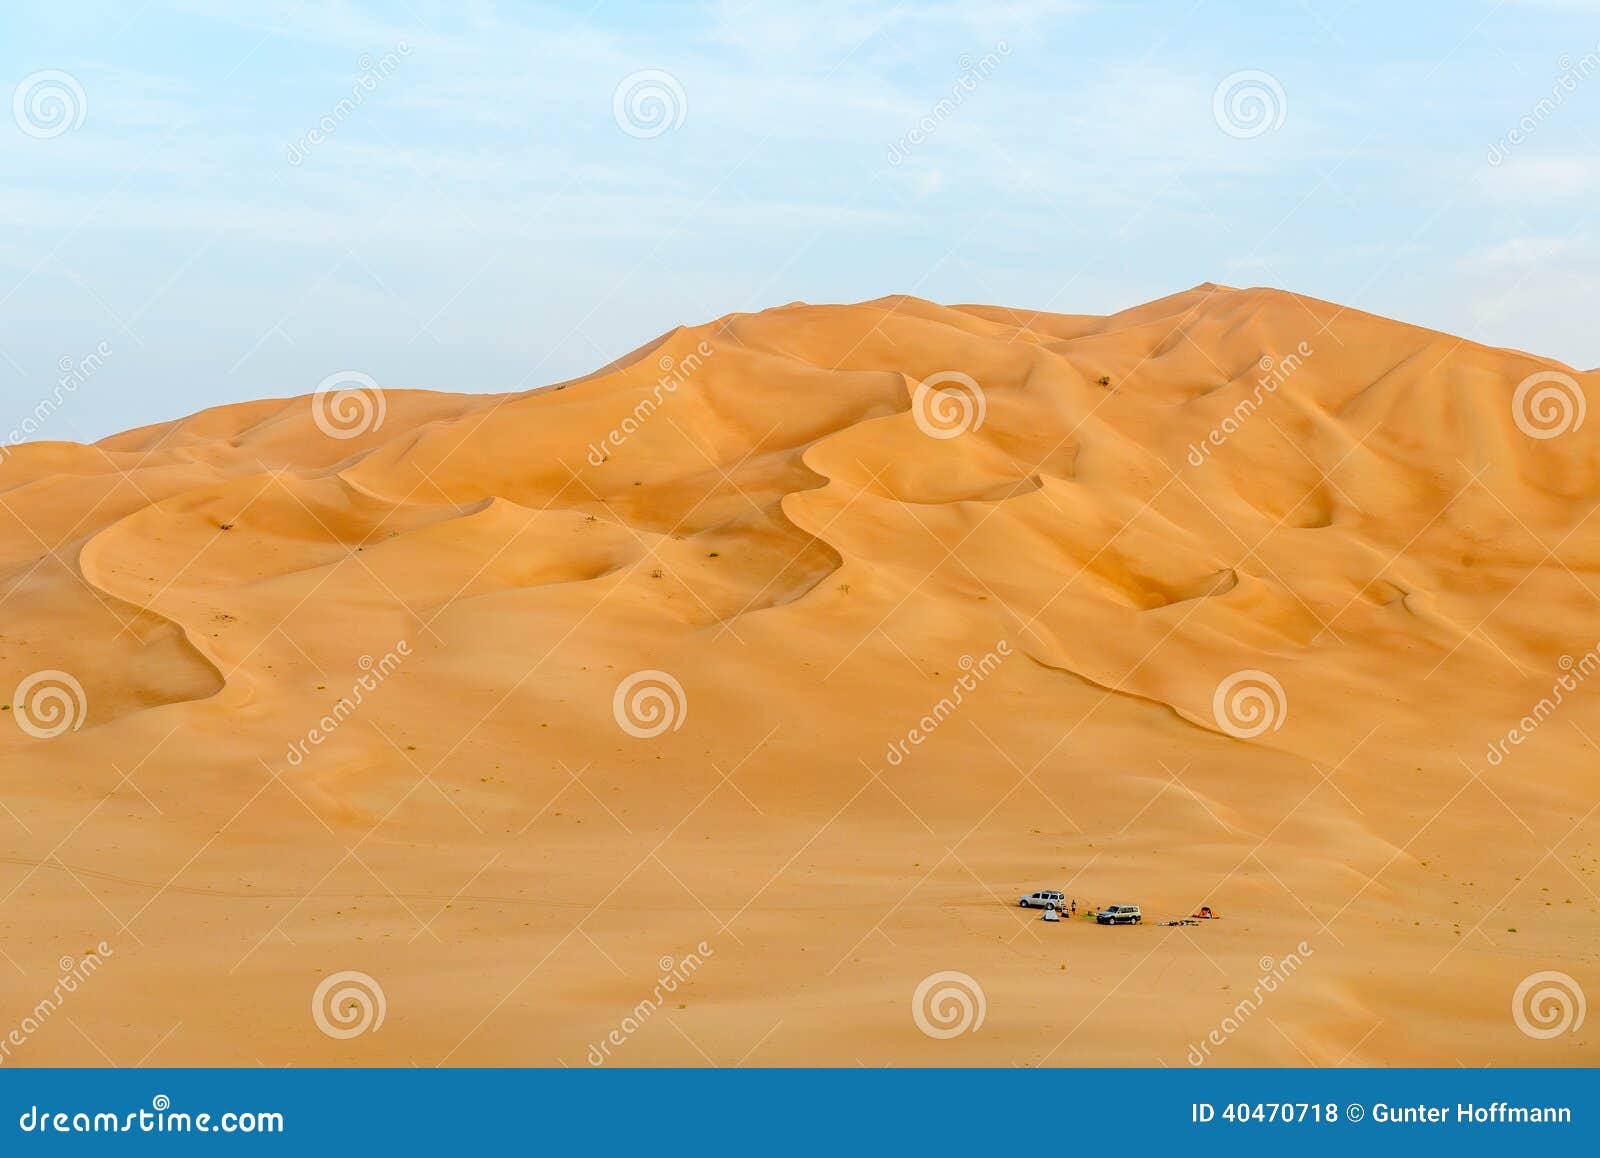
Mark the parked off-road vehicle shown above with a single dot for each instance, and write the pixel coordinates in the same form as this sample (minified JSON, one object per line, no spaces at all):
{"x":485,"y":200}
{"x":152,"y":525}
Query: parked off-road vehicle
{"x":1120,"y":915}
{"x":1044,"y":899}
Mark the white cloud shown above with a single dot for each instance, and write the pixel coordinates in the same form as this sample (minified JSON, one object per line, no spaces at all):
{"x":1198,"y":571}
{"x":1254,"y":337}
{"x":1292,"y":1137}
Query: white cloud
{"x":1530,"y":179}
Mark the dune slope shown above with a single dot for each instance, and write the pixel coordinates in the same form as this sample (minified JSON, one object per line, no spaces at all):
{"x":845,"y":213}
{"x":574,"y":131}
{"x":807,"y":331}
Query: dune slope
{"x":744,"y":684}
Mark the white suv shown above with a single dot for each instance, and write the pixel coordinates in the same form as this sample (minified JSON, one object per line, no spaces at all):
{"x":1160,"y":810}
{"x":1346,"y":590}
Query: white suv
{"x":1120,"y":915}
{"x":1044,"y":899}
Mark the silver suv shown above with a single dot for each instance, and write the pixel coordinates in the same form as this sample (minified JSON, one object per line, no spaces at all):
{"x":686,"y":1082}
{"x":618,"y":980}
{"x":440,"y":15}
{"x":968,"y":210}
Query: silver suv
{"x":1044,"y":899}
{"x":1120,"y":915}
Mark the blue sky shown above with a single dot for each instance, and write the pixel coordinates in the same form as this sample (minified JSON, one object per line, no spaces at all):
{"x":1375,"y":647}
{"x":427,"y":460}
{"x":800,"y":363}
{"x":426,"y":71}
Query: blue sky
{"x":485,"y":217}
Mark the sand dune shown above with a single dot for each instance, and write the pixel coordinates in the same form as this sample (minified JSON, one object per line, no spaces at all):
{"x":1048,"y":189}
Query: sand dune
{"x":1241,"y":594}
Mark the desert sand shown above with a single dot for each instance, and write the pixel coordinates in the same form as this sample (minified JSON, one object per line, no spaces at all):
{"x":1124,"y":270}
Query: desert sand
{"x":344,"y":699}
